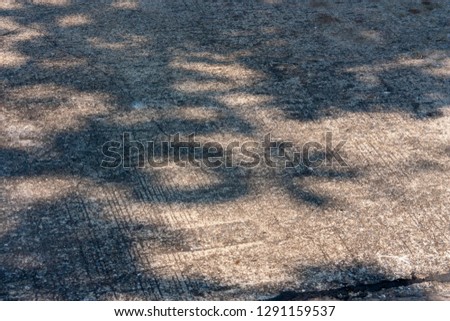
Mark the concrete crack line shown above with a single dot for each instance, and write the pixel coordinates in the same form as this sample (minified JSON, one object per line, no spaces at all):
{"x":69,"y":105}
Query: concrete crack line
{"x":358,"y":290}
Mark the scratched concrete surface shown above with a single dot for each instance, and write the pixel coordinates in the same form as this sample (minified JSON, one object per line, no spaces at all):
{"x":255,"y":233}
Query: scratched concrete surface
{"x":375,"y":74}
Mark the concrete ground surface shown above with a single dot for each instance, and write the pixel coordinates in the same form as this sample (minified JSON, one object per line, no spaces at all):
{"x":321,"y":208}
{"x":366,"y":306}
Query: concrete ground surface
{"x":75,"y":75}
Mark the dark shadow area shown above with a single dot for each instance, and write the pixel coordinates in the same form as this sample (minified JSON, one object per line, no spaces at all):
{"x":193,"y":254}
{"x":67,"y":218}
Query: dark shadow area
{"x":69,"y":248}
{"x":307,"y":73}
{"x":80,"y":155}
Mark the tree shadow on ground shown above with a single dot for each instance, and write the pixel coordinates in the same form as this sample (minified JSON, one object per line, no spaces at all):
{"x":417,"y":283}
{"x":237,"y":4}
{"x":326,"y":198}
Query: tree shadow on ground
{"x":308,"y":70}
{"x":80,"y":50}
{"x":70,"y":249}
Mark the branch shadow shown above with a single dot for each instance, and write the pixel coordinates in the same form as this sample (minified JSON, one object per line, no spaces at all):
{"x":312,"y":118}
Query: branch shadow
{"x":308,"y":76}
{"x":70,"y":249}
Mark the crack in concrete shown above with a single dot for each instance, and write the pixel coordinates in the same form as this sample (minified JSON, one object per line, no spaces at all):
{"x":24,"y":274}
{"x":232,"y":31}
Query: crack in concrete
{"x":359,"y":290}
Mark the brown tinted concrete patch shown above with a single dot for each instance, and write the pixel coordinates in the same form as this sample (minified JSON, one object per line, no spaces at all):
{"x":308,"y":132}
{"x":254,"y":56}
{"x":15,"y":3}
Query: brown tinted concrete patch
{"x":372,"y":76}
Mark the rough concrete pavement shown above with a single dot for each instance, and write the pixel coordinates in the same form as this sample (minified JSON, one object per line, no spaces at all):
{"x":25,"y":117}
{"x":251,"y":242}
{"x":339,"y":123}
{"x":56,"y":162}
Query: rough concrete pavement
{"x":375,"y":74}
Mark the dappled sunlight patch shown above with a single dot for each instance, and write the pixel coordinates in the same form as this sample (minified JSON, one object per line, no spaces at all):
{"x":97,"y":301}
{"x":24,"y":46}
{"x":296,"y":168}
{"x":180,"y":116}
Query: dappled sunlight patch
{"x":136,"y":40}
{"x":228,"y":75}
{"x":102,"y":44}
{"x":74,"y":20}
{"x":187,"y":178}
{"x":418,"y":60}
{"x":10,"y":5}
{"x":269,"y":119}
{"x":36,"y":92}
{"x":89,"y":104}
{"x":369,"y":79}
{"x":28,"y":261}
{"x":207,"y":55}
{"x":11,"y":59}
{"x":409,"y":62}
{"x":271,"y":30}
{"x":35,"y":189}
{"x":204,"y":86}
{"x":401,"y":62}
{"x":252,"y":108}
{"x":224,"y":138}
{"x":56,"y":3}
{"x":125,"y":4}
{"x":276,"y":43}
{"x":442,"y":70}
{"x":7,"y":24}
{"x":229,"y":71}
{"x":51,"y":107}
{"x":186,"y":118}
{"x":15,"y":32}
{"x":22,"y":135}
{"x":134,"y":117}
{"x":127,"y":41}
{"x":372,"y":35}
{"x":63,"y":63}
{"x":27,"y":34}
{"x":50,"y":91}
{"x":381,"y":67}
{"x":245,"y":100}
{"x":273,"y":1}
{"x":77,"y":111}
